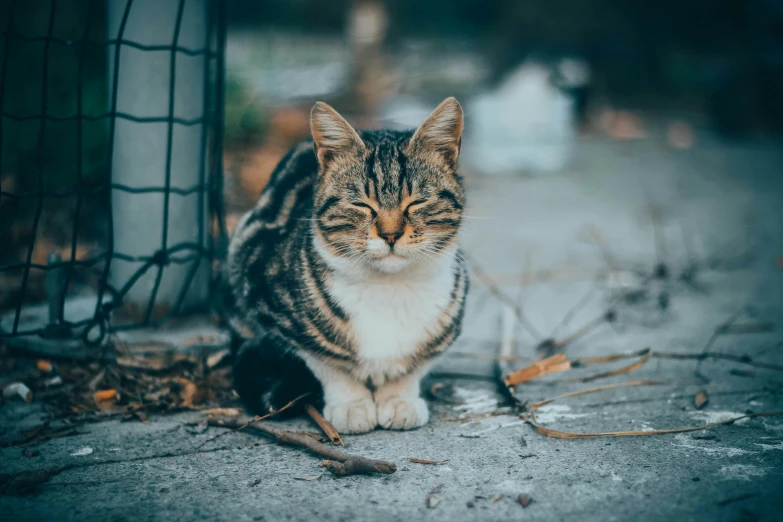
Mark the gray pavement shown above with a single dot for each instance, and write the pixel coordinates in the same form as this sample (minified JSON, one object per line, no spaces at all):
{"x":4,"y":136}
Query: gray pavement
{"x":643,"y":203}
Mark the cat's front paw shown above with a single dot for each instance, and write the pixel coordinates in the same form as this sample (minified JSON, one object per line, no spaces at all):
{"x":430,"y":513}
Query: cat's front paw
{"x":352,"y":417}
{"x":398,"y":413}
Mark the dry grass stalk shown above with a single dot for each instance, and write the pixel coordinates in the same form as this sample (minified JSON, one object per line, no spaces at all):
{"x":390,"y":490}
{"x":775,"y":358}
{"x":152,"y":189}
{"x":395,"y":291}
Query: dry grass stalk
{"x":557,"y":434}
{"x":425,"y":461}
{"x":553,"y":364}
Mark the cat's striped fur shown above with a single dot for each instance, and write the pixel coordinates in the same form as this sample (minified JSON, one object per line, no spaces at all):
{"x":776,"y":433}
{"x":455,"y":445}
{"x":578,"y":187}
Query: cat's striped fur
{"x":347,"y":272}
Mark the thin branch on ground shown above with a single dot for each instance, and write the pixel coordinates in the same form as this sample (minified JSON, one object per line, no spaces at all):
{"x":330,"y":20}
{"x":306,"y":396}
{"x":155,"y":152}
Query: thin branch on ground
{"x":719,"y":330}
{"x":550,"y":346}
{"x":498,"y":294}
{"x":338,"y":461}
{"x":254,"y":419}
{"x":572,"y":312}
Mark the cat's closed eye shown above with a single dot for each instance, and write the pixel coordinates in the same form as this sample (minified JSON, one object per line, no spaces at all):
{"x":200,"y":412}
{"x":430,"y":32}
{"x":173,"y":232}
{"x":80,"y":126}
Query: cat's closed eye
{"x":413,"y":205}
{"x":364,"y":206}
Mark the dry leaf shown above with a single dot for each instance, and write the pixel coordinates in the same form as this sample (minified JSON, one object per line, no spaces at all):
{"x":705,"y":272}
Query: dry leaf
{"x":425,"y":461}
{"x":44,"y":366}
{"x":556,"y":363}
{"x":223,"y":412}
{"x":432,"y":500}
{"x":188,"y":391}
{"x":314,"y":477}
{"x":496,"y":498}
{"x":216,"y":358}
{"x":104,"y":398}
{"x":524,"y":500}
{"x":700,"y":399}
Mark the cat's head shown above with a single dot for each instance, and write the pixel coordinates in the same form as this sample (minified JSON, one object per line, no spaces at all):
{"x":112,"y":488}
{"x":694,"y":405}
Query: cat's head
{"x":387,"y":200}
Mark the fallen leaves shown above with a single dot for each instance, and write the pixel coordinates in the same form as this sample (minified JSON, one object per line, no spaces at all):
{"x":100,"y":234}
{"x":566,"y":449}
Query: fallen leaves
{"x":432,"y":497}
{"x":143,"y":381}
{"x":701,"y":399}
{"x":105,"y":398}
{"x":425,"y":461}
{"x":530,"y":417}
{"x":524,"y":500}
{"x":553,"y":364}
{"x":187,"y":392}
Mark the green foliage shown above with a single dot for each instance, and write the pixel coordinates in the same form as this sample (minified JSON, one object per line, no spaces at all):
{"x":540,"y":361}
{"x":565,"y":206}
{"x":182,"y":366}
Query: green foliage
{"x":246,"y":116}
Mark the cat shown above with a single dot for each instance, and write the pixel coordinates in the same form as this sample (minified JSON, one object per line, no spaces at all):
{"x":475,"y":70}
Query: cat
{"x":346,"y":279}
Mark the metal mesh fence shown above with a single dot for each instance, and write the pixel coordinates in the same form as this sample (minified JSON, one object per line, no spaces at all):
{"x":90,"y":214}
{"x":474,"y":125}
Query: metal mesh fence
{"x":27,"y":192}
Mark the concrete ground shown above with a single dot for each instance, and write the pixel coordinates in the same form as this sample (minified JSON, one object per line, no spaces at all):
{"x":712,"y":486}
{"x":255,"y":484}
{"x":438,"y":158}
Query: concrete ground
{"x":711,"y":215}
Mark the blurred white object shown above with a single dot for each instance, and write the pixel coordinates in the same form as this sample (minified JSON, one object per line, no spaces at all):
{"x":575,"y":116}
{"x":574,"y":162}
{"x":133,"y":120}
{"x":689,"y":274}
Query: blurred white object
{"x":18,"y":390}
{"x":404,"y":112}
{"x":367,"y":24}
{"x":528,"y":123}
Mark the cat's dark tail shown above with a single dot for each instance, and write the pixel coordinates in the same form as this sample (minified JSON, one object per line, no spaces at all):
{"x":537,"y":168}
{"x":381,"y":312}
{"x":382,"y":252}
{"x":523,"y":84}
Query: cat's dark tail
{"x":267,"y":377}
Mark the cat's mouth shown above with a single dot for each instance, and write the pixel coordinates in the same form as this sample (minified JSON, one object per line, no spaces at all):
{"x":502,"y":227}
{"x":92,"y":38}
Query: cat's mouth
{"x":391,"y":262}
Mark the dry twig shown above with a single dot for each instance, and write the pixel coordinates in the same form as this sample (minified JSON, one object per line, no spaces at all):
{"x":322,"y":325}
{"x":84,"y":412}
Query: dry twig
{"x":498,"y":294}
{"x":324,"y":424}
{"x":254,"y":419}
{"x":338,"y":461}
{"x":531,"y":417}
{"x":425,"y":461}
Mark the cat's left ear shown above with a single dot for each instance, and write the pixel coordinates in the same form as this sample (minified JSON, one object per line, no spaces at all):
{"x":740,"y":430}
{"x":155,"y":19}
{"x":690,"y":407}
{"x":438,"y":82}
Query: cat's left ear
{"x":440,"y":136}
{"x":333,"y":136}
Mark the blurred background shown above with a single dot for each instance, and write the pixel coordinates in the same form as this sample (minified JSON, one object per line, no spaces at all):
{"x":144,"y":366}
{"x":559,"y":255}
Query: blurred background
{"x":541,"y":82}
{"x":624,"y":178}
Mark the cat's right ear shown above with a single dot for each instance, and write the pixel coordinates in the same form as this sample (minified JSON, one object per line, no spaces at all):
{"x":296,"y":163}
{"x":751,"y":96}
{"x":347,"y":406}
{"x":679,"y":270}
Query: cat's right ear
{"x":333,"y":136}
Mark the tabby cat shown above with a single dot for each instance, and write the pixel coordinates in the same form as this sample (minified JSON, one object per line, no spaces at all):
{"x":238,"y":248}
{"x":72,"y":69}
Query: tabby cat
{"x":346,"y":279}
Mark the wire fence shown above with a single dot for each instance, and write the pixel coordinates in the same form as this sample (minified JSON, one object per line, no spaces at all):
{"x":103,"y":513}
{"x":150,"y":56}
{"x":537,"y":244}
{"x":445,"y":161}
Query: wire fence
{"x":59,"y":270}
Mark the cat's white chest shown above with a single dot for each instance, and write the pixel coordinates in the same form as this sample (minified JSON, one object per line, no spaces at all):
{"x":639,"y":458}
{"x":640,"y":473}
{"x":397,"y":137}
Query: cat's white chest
{"x":391,"y":318}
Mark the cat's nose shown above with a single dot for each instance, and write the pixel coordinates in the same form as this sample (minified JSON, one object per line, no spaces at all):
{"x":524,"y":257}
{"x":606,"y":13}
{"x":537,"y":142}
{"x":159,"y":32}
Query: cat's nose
{"x":392,"y":237}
